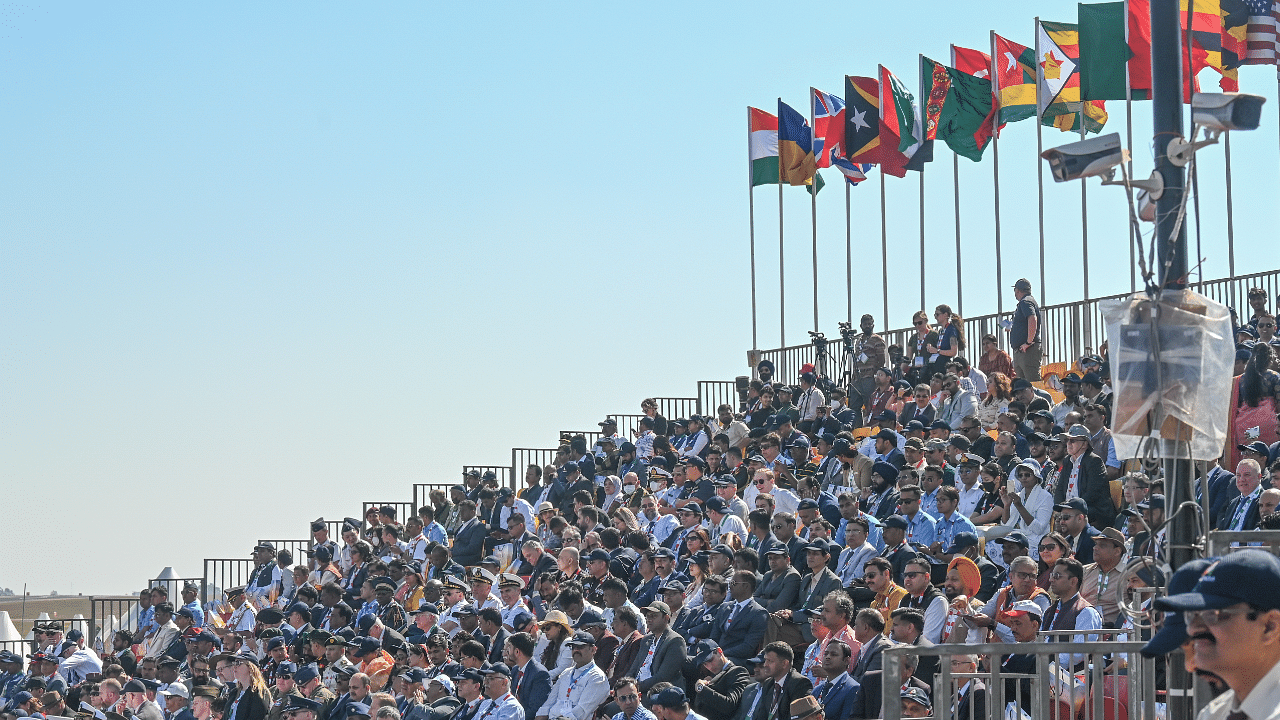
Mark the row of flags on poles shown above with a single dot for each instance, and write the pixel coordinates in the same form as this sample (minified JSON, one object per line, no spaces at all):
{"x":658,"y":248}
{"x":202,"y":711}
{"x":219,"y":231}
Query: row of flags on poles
{"x":1064,"y":78}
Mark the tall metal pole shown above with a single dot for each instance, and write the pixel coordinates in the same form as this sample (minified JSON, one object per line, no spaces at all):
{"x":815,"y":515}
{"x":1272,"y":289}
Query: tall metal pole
{"x":1128,"y":125}
{"x":1171,"y":247}
{"x":1231,"y":226}
{"x":848,"y":251}
{"x":920,"y":148}
{"x":995,"y":169}
{"x":955,"y":173}
{"x":782,"y":276}
{"x":751,"y":214}
{"x":813,"y":207}
{"x":1044,"y":291}
{"x":1084,"y":243}
{"x":884,"y":250}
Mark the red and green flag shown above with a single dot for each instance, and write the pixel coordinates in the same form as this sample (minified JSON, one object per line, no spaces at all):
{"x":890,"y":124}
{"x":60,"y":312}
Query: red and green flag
{"x":1015,"y":80}
{"x":958,"y":110}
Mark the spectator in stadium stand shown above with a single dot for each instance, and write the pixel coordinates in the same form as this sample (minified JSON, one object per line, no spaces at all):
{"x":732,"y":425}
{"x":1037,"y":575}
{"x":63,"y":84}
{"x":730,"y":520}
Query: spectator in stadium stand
{"x":1083,"y":476}
{"x":908,"y":629}
{"x":580,"y":689}
{"x":957,"y":403}
{"x":1025,"y":332}
{"x":1242,"y":513}
{"x":1233,"y":620}
{"x":879,"y":497}
{"x":1071,"y":611}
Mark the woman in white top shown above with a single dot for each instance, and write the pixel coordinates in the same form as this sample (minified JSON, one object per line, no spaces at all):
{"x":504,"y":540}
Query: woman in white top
{"x":1030,"y":509}
{"x":999,"y":393}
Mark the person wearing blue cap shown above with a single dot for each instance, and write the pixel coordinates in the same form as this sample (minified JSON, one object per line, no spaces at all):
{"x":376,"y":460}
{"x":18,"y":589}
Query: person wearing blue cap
{"x":1232,"y":617}
{"x":497,"y":687}
{"x":581,"y":688}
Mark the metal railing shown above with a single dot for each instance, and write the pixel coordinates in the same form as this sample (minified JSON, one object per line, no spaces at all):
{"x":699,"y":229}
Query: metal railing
{"x":223,"y":573}
{"x":404,"y":510}
{"x":1117,"y":682}
{"x":1069,"y":330}
{"x":627,"y":424}
{"x":522,"y":458}
{"x":1222,"y":542}
{"x":109,"y":613}
{"x":297,"y":548}
{"x":713,"y":393}
{"x":422,"y":493}
{"x":502,"y":472}
{"x":589,"y":435}
{"x":672,"y":408}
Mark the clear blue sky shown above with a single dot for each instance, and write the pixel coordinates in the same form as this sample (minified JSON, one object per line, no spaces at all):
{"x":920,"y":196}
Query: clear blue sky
{"x":259,"y":263}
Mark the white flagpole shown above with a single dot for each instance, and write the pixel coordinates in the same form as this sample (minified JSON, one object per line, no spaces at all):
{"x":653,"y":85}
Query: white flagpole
{"x":1231,"y":225}
{"x":848,"y":250}
{"x":955,"y":183}
{"x":995,"y":168}
{"x":782,"y":276}
{"x":751,"y":214}
{"x":884,"y":246}
{"x":1040,"y":170}
{"x":920,"y":148}
{"x":813,"y":203}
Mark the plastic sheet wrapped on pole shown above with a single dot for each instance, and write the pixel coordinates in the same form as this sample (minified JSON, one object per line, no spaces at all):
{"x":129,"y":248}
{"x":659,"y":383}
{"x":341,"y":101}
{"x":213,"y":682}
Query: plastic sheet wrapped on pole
{"x":1172,"y":361}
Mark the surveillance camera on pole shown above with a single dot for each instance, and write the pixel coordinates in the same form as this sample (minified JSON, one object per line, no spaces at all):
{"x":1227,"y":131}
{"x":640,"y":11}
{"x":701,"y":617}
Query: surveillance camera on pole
{"x":1087,"y":158}
{"x":1216,"y":112}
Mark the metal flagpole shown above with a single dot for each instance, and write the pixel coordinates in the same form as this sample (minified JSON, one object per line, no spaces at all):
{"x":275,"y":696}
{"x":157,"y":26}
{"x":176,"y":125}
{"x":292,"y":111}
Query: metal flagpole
{"x":995,"y":177}
{"x":848,"y":251}
{"x":813,"y":206}
{"x":884,"y":249}
{"x":920,"y":148}
{"x":1039,"y":170}
{"x":955,"y":172}
{"x":1084,"y":239}
{"x":751,"y":214}
{"x":1231,"y":227}
{"x":955,"y":183}
{"x":1128,"y":122}
{"x":782,"y":277}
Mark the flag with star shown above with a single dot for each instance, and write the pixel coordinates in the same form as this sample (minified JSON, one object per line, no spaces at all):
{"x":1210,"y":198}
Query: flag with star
{"x":1058,"y":80}
{"x":862,"y":119}
{"x":1015,"y":80}
{"x":1262,"y":33}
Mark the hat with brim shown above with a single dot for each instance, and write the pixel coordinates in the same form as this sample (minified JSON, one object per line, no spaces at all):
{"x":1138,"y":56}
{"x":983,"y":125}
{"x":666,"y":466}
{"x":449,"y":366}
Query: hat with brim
{"x":1173,"y":631}
{"x":556,"y":617}
{"x":803,"y":707}
{"x":917,"y":695}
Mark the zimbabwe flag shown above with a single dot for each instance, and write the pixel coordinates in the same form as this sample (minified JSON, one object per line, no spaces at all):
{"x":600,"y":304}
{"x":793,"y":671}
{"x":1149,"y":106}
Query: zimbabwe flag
{"x":1058,"y":80}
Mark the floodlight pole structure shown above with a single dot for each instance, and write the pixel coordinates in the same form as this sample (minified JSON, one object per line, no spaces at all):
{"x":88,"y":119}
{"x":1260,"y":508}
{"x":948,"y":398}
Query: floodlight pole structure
{"x":1171,"y":259}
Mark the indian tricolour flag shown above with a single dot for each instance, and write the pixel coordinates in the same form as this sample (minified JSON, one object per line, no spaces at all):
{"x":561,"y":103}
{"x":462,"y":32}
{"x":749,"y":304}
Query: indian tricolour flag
{"x":762,"y":143}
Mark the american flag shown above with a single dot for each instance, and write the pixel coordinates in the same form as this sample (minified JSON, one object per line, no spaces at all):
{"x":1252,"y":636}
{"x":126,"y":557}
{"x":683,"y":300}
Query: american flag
{"x":1262,"y":33}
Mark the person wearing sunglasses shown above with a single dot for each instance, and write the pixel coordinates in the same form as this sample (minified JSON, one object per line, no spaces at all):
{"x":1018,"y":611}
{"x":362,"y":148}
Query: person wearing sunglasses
{"x":1071,"y":611}
{"x":1232,"y":618}
{"x":923,"y":347}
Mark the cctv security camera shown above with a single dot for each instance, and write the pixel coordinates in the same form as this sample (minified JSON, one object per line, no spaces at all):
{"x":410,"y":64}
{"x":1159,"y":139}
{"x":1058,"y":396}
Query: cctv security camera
{"x":1086,"y":158}
{"x":1226,"y":111}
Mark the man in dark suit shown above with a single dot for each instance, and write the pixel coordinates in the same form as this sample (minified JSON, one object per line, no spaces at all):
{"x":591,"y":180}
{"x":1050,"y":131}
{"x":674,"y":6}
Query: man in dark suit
{"x":1222,"y":490}
{"x":837,"y":691}
{"x":1090,"y":479}
{"x":868,"y":629}
{"x":531,"y":683}
{"x":781,"y":683}
{"x":1074,"y":519}
{"x":908,"y":629}
{"x":719,"y":695}
{"x":490,"y":623}
{"x":781,"y":585}
{"x":791,"y":625}
{"x":440,"y":699}
{"x":539,"y":562}
{"x":868,"y":702}
{"x":970,"y":693}
{"x":1242,"y":513}
{"x":759,"y":537}
{"x":887,"y":449}
{"x":661,"y":657}
{"x":743,"y":621}
{"x":468,"y":544}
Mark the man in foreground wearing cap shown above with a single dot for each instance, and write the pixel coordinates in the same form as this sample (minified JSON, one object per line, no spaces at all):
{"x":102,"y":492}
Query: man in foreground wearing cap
{"x":1232,"y":618}
{"x":581,"y":688}
{"x":671,"y":704}
{"x":497,"y":687}
{"x":915,"y":703}
{"x":136,"y":702}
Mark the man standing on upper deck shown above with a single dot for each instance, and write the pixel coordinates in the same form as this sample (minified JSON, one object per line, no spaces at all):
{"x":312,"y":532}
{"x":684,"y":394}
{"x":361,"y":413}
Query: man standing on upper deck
{"x":1024,"y":334}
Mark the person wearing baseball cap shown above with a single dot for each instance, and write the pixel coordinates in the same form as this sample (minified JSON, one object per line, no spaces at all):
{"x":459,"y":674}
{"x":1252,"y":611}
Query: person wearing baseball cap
{"x":915,"y":703}
{"x":1102,"y":576}
{"x":1025,"y":332}
{"x":1023,"y":622}
{"x":1232,"y":616}
{"x":582,"y":687}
